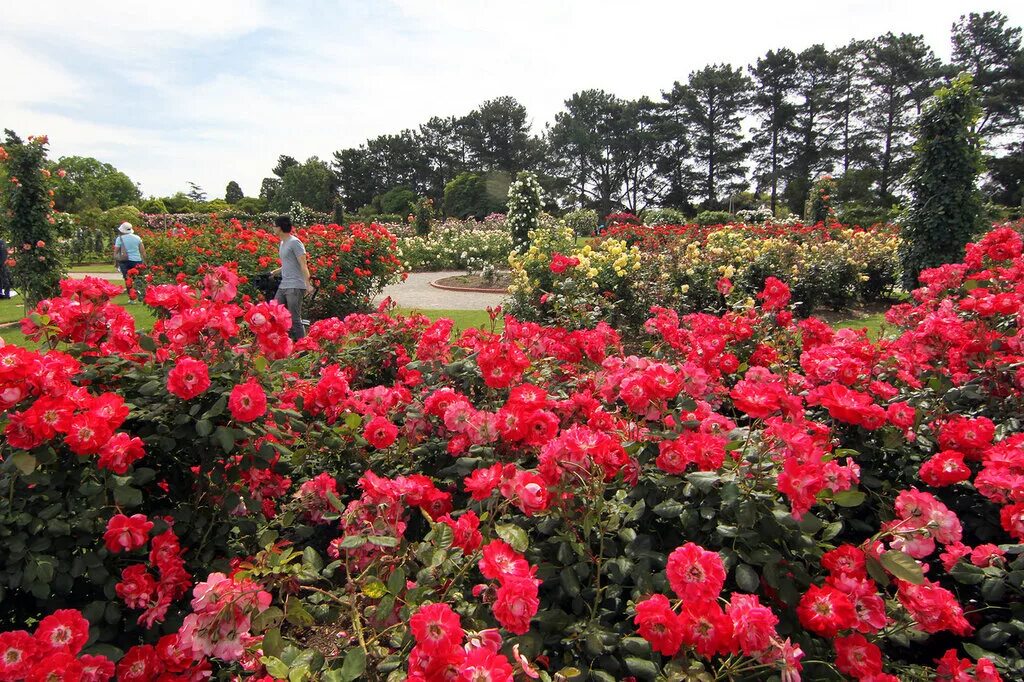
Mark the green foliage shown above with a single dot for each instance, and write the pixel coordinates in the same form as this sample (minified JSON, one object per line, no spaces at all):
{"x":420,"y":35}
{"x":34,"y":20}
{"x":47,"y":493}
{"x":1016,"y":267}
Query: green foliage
{"x":397,"y":200}
{"x":819,"y":201}
{"x":524,"y":206}
{"x":472,"y":195}
{"x":109,"y":220}
{"x":233,"y":193}
{"x":423,"y":213}
{"x":865,"y":215}
{"x":583,"y":221}
{"x":313,"y":184}
{"x":251,"y":205}
{"x":946,"y":210}
{"x":89,"y":183}
{"x":179,"y":203}
{"x":25,"y":215}
{"x":153,"y":205}
{"x":714,"y":218}
{"x":663,"y":216}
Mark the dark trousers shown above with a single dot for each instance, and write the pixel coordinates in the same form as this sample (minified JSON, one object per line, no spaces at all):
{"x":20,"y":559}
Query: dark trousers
{"x":124,"y":266}
{"x":292,"y":299}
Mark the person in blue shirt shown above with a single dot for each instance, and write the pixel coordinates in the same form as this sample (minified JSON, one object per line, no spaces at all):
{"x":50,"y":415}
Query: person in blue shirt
{"x":129,"y":251}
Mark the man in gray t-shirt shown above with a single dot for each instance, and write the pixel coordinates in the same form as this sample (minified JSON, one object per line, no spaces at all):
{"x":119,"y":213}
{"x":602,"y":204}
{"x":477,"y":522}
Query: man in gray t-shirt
{"x":294,"y":274}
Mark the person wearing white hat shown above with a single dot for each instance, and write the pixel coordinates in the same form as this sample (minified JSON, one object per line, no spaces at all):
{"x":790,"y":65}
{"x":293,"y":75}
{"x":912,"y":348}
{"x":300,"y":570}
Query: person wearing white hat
{"x":129,"y":251}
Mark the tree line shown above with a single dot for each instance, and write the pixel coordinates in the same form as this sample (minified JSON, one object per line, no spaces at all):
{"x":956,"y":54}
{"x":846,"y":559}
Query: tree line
{"x":771,"y":127}
{"x":728,"y":137}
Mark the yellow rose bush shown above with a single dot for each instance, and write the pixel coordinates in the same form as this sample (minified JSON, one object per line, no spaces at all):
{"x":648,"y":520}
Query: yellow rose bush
{"x":556,"y":280}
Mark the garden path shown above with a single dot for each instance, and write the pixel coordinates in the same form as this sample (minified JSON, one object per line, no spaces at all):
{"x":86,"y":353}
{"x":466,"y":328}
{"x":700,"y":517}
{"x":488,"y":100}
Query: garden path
{"x":416,"y":292}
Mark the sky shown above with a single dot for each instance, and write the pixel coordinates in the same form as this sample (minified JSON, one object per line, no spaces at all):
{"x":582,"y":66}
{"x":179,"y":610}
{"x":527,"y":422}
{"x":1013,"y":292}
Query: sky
{"x":212,"y":91}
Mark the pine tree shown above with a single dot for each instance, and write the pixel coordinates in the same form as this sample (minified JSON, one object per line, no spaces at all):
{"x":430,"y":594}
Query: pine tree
{"x":775,"y":76}
{"x":233,"y":194}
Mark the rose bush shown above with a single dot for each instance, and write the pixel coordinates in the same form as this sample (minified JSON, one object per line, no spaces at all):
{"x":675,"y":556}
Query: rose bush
{"x":704,"y":268}
{"x":349,"y":265}
{"x":738,"y":496}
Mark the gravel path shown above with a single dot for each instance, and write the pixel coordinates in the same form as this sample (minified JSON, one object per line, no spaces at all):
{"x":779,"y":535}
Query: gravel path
{"x":102,"y":275}
{"x":415,"y":292}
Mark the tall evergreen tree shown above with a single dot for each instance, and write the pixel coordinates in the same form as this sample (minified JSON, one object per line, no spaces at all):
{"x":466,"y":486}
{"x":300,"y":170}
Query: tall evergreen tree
{"x":713,"y":103}
{"x":985,"y":47}
{"x":945,"y":208}
{"x":816,"y":116}
{"x":583,"y":138}
{"x":849,"y":103}
{"x":775,"y":78}
{"x":498,"y":136}
{"x":233,"y":193}
{"x":442,"y":146}
{"x":636,"y":154}
{"x":901,"y":71}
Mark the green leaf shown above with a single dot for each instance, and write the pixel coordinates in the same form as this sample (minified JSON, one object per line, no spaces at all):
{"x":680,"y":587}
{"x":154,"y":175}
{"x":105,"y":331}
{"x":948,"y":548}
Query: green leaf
{"x":396,"y":582}
{"x":514,"y":535}
{"x":668,"y":509}
{"x":24,"y":462}
{"x":296,"y":614}
{"x":876,"y":571}
{"x":127,"y":496}
{"x":204,"y":428}
{"x":444,"y":536}
{"x":150,"y":387}
{"x":272,"y":642}
{"x":353,"y":420}
{"x":217,"y":409}
{"x":642,"y":668}
{"x":225,"y":437}
{"x":147,"y":343}
{"x":268,"y":621}
{"x":383,"y":540}
{"x":746,"y":578}
{"x":311,"y":558}
{"x":849,"y":498}
{"x":903,"y":566}
{"x":353,"y":541}
{"x":298,"y":673}
{"x":354,"y":665}
{"x":277,"y":668}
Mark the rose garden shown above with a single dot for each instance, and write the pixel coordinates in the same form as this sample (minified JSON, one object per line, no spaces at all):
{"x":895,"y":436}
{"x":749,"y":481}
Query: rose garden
{"x":661,"y":457}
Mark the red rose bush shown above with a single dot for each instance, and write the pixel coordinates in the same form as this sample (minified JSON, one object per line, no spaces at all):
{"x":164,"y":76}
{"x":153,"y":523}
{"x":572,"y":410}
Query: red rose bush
{"x":736,"y":496}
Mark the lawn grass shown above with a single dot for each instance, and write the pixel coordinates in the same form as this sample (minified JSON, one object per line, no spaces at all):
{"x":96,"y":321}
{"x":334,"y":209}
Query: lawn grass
{"x":463,"y":319}
{"x":874,"y":324}
{"x":103,"y":268}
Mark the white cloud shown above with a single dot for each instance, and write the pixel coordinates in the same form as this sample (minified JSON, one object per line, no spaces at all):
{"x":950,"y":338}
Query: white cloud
{"x":328,"y":77}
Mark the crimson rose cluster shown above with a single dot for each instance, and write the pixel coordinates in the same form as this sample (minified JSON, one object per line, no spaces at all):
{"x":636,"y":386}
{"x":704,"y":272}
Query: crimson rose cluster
{"x":738,"y":496}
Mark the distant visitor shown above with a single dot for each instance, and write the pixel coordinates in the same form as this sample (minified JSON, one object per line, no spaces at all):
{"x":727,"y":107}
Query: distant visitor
{"x":294,"y":274}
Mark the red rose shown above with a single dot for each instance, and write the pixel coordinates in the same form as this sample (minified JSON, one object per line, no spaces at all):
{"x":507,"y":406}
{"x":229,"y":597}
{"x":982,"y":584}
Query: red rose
{"x":64,"y":630}
{"x":516,"y":603}
{"x":695,"y":573}
{"x":380,"y":433}
{"x":248,"y":402}
{"x":126,"y":533}
{"x":659,"y":624}
{"x":188,"y":378}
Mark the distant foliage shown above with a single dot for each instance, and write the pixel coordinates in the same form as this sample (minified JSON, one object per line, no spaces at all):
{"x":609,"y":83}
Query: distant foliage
{"x":946,"y":208}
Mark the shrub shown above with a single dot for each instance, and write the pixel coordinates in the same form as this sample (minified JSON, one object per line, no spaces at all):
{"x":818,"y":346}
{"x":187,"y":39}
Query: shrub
{"x":348,"y":265}
{"x":153,"y":205}
{"x":714,"y":218}
{"x":820,"y":199}
{"x":945,"y":211}
{"x":454,"y":245}
{"x":735,"y":496}
{"x":663,"y":216}
{"x":524,"y":208}
{"x":26,"y":213}
{"x":583,"y":221}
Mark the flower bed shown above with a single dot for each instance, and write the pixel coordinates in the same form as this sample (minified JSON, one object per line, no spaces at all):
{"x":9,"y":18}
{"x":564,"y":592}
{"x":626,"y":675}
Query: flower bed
{"x":349,"y":265}
{"x":457,"y":245}
{"x":701,"y":268}
{"x":747,"y":498}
